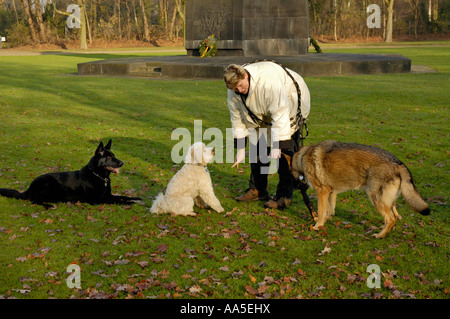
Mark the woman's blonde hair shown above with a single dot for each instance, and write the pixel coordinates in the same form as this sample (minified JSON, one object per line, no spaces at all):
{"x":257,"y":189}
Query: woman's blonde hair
{"x":232,"y":75}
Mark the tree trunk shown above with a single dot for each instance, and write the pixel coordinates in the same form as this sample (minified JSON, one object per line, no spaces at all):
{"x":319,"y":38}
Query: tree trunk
{"x":38,"y":14}
{"x":335,"y":20}
{"x":83,"y":42}
{"x":94,"y":4}
{"x":144,"y":17}
{"x":15,"y":11}
{"x":33,"y":31}
{"x":136,"y":23}
{"x":180,"y":10}
{"x":172,"y":23}
{"x":128,"y":27}
{"x":163,"y":15}
{"x":117,"y":4}
{"x":88,"y":26}
{"x":415,"y":9}
{"x":390,"y":18}
{"x":436,"y":9}
{"x":429,"y":11}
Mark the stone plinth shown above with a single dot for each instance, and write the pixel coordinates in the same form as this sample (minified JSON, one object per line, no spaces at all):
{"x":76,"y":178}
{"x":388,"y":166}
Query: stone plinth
{"x":249,"y":27}
{"x":187,"y":67}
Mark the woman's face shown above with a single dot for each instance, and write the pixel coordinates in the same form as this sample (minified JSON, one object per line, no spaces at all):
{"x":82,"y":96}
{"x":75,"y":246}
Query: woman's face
{"x":242,"y":85}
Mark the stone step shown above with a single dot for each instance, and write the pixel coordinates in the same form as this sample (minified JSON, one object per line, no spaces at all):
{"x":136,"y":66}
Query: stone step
{"x":186,"y":67}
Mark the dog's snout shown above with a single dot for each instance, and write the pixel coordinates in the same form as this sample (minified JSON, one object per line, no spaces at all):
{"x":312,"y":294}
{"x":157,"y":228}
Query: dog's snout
{"x":119,"y":163}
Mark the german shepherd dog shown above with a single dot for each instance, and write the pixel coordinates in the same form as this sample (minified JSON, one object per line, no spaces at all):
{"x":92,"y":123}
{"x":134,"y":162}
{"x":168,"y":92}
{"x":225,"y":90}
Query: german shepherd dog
{"x":332,"y":167}
{"x":90,"y":184}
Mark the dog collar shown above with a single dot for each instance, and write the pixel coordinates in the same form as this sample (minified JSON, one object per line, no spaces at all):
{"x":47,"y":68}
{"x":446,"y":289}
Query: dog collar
{"x":106,"y":180}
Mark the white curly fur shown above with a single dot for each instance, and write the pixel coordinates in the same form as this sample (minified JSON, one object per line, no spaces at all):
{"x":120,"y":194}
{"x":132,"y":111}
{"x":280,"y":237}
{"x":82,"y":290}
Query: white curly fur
{"x":190,"y":185}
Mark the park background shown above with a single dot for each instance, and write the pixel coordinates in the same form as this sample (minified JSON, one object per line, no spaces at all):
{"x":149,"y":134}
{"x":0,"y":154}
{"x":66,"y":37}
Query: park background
{"x":52,"y":120}
{"x":125,"y":23}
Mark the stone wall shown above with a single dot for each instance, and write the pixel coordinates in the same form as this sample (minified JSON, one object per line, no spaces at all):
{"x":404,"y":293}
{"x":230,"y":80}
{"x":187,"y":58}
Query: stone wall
{"x":249,"y":27}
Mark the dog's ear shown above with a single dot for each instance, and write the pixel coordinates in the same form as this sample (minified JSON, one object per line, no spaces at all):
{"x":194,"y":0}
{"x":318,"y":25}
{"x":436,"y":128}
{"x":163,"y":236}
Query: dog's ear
{"x":108,"y":146}
{"x":189,"y":157}
{"x":100,"y":149}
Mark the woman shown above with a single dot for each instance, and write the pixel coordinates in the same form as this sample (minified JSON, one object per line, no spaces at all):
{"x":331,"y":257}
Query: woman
{"x":264,"y":97}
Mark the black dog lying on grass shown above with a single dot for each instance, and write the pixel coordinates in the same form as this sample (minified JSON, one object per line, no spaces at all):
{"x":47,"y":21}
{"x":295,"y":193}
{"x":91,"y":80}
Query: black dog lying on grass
{"x":91,"y":184}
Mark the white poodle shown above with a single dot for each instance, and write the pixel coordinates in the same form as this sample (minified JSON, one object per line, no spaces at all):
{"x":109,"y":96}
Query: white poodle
{"x":191,"y":184}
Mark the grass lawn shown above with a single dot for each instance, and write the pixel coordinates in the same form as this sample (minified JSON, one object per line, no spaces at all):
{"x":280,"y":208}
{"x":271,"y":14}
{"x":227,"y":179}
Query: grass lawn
{"x":53,"y":122}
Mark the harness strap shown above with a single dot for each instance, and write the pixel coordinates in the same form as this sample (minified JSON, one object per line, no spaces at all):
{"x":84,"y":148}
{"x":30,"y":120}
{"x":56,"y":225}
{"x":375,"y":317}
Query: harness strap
{"x":299,"y":120}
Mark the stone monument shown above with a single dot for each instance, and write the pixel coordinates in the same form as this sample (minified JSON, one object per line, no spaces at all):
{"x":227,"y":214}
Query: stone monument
{"x":246,"y":30}
{"x":249,"y":27}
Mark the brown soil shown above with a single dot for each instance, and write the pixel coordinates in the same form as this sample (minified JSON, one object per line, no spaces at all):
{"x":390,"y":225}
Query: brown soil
{"x":103,"y":44}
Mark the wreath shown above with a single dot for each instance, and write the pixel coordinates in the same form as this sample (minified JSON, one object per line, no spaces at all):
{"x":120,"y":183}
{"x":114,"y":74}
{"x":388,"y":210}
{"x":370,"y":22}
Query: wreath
{"x":208,"y":48}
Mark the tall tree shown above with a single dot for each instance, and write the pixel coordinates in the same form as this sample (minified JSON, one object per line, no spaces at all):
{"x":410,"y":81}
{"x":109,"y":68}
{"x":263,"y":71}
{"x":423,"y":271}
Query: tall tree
{"x":31,"y":25}
{"x":335,"y":20}
{"x":180,"y":10}
{"x":390,"y":20}
{"x":82,"y":19}
{"x":415,"y":7}
{"x":171,"y":32}
{"x":144,"y":18}
{"x":83,"y":42}
{"x":40,"y":22}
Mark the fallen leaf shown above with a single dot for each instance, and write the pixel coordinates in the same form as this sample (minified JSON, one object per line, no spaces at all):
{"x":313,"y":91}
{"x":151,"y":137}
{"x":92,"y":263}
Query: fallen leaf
{"x":162,"y":248}
{"x":296,"y":261}
{"x":251,"y":290}
{"x":195,"y":289}
{"x":142,"y":263}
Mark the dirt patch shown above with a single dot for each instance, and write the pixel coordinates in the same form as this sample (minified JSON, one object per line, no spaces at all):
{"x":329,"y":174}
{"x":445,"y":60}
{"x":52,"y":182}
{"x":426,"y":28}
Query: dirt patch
{"x":103,"y":44}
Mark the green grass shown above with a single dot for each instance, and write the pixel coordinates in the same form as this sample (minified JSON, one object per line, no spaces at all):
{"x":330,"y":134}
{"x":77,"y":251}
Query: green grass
{"x":53,"y":122}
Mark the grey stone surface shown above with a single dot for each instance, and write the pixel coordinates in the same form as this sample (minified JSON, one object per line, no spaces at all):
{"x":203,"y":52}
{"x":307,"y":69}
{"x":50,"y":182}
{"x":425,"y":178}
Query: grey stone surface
{"x":249,"y":27}
{"x":184,"y":67}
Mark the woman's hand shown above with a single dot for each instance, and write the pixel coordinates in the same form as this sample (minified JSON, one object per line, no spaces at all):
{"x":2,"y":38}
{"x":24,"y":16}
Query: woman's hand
{"x":240,"y":157}
{"x":275,"y":153}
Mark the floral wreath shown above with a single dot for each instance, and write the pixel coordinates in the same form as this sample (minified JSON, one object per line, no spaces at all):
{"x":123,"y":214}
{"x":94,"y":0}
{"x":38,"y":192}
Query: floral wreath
{"x":208,"y":48}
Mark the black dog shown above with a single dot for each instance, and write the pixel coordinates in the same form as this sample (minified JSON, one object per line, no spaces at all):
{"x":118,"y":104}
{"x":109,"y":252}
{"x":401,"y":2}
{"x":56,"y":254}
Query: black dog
{"x":91,"y":184}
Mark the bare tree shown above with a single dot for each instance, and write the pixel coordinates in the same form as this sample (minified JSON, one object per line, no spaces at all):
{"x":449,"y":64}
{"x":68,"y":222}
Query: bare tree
{"x":118,"y":14}
{"x":82,"y":20}
{"x":38,"y":14}
{"x":335,"y":20}
{"x":390,"y":18}
{"x":172,"y":23}
{"x":415,"y":7}
{"x":180,"y":10}
{"x":144,"y":17}
{"x":31,"y":25}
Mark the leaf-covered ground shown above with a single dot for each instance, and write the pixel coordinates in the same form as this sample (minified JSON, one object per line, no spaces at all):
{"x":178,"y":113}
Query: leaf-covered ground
{"x":53,"y":122}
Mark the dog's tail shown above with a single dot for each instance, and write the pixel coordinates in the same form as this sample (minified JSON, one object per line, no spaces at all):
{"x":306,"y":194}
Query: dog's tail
{"x":159,"y":205}
{"x":12,"y":193}
{"x":410,"y":192}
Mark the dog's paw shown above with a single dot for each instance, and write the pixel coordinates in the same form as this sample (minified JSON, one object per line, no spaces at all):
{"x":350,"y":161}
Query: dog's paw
{"x":219,"y":209}
{"x":318,"y":227}
{"x":187,"y":214}
{"x":379,"y":235}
